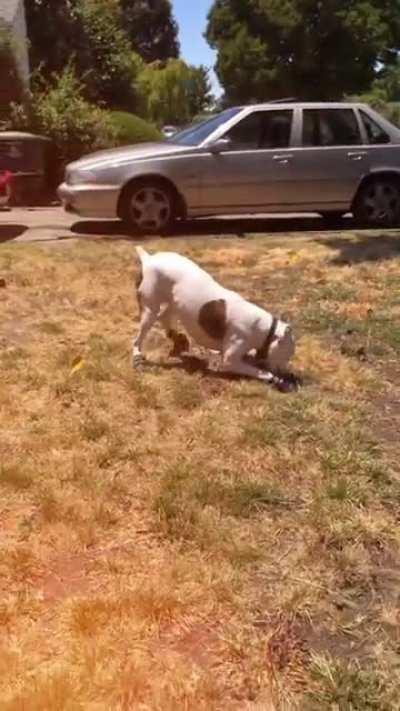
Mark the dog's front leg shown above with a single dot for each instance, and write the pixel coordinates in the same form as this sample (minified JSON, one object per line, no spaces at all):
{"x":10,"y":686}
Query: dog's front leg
{"x":148,"y":318}
{"x":239,"y":367}
{"x":232,"y":362}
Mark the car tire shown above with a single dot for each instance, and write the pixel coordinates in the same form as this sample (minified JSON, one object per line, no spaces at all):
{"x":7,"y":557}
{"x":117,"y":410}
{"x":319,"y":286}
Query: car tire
{"x":378,"y":203}
{"x":148,"y":207}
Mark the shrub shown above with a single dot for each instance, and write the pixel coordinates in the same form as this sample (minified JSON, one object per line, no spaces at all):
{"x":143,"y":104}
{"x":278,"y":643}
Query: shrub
{"x":131,"y":129}
{"x":391,"y":111}
{"x":58,"y":110}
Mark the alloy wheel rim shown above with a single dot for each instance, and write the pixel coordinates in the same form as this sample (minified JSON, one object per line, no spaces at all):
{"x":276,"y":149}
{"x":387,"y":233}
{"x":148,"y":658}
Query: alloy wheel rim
{"x":150,"y":209}
{"x":382,"y":203}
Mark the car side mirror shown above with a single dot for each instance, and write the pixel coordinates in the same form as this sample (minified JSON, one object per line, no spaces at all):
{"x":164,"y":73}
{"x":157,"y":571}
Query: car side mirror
{"x":221,"y":146}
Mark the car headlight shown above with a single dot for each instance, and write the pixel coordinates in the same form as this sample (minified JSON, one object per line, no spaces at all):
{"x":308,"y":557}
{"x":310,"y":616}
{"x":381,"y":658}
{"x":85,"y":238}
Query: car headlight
{"x":79,"y":177}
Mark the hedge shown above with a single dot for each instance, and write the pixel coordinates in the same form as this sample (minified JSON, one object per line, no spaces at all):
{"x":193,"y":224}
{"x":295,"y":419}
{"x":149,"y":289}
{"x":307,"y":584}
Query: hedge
{"x":131,"y":129}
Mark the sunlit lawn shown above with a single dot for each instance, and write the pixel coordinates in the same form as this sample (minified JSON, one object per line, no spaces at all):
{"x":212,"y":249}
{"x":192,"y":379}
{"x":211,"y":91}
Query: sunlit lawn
{"x":172,"y":540}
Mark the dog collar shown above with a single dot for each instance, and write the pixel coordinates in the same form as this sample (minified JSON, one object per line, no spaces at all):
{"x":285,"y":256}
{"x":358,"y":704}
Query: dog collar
{"x":264,"y":350}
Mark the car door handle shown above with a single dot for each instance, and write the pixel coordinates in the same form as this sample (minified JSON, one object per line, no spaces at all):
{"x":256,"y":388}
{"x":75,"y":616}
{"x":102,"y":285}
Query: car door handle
{"x":284,"y":160}
{"x":356,"y":155}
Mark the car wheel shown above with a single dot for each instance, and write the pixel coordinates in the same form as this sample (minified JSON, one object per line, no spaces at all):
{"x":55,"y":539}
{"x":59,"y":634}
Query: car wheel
{"x":149,"y":207}
{"x":378,"y":203}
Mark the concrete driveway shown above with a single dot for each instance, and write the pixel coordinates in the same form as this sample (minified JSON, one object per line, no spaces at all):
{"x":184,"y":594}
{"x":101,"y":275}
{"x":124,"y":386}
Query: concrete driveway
{"x":54,"y":225}
{"x":35,"y":224}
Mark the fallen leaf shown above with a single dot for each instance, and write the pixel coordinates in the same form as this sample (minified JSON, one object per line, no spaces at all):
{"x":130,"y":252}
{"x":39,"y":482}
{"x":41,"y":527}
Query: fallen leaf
{"x":77,"y":364}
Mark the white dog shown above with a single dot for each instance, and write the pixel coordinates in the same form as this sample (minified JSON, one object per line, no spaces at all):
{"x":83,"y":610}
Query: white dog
{"x":172,"y":288}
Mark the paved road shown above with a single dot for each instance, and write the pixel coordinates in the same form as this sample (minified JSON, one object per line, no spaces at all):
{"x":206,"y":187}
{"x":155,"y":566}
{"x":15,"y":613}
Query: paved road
{"x":54,"y":225}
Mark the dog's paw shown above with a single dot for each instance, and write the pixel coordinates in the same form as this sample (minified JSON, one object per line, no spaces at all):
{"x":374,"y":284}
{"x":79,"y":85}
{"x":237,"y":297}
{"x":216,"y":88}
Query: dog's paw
{"x":286,"y":385}
{"x":138,"y":361}
{"x":181,"y":346}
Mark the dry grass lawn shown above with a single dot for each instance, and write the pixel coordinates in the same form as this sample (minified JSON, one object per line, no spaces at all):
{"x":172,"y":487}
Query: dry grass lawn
{"x":175,"y":541}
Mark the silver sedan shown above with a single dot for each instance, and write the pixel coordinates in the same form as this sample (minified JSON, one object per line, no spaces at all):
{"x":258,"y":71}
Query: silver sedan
{"x":330,"y":158}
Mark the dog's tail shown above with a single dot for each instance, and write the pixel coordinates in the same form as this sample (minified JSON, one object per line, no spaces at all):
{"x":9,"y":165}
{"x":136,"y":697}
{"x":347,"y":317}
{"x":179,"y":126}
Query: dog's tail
{"x":143,"y":255}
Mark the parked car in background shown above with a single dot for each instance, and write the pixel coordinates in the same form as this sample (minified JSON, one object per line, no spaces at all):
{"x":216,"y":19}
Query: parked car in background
{"x":169,"y":131}
{"x":329,"y":158}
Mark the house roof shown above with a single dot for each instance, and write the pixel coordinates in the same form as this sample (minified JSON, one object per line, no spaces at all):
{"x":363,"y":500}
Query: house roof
{"x":8,"y":10}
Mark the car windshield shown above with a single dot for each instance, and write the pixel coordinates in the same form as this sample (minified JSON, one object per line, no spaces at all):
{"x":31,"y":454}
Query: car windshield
{"x":196,"y":134}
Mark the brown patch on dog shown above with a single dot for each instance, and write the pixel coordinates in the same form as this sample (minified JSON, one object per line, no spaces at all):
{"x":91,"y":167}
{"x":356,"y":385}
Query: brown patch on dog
{"x":212,"y":319}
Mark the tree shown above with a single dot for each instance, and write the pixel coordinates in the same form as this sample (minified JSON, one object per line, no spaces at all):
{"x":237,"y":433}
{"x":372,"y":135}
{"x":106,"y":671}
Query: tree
{"x":152,"y":29}
{"x":311,"y":49}
{"x":55,"y":34}
{"x":384,"y":95}
{"x":104,"y":38}
{"x":111,"y":65}
{"x":90,"y":32}
{"x":11,"y":88}
{"x":388,"y":83}
{"x":200,"y":95}
{"x":174,"y":93}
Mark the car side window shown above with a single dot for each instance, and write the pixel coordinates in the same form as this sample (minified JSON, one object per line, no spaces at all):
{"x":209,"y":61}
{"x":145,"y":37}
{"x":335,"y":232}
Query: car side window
{"x":276,"y":129}
{"x":247,"y":133}
{"x":376,"y":134}
{"x":261,"y":130}
{"x":330,"y":127}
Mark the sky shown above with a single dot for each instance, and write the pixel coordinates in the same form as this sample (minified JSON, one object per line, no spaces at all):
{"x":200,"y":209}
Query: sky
{"x":191,"y":16}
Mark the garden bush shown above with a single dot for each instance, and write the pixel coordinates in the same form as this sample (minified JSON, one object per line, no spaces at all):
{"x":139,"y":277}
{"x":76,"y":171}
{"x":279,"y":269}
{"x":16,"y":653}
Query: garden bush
{"x":131,"y":129}
{"x":59,"y":110}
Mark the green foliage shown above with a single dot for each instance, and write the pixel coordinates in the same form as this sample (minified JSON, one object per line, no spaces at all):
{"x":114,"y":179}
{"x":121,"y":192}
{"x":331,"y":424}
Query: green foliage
{"x":388,"y":83}
{"x":348,"y":686}
{"x":108,"y":42}
{"x":151,"y":28}
{"x":131,"y":129}
{"x":384,"y":95}
{"x":174,"y":93}
{"x":55,"y":34}
{"x":58,"y":110}
{"x":388,"y":109}
{"x":111,"y":64}
{"x":269,"y":49}
{"x":100,"y":36}
{"x":12,"y":88}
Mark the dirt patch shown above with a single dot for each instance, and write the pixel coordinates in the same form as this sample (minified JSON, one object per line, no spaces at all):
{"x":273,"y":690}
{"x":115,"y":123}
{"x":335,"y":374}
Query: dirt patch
{"x":66,"y":578}
{"x":198,"y":643}
{"x":386,"y":423}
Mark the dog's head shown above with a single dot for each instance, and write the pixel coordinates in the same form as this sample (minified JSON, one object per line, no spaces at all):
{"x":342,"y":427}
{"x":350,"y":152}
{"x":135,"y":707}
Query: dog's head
{"x":282,"y":348}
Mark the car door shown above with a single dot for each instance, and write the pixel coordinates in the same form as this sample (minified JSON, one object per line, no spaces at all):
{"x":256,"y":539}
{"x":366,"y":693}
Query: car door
{"x":332,"y":159}
{"x":253,"y":172}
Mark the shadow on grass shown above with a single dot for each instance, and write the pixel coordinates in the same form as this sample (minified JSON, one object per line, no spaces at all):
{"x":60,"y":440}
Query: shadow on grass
{"x":239,"y":227}
{"x":194,"y":364}
{"x":364,"y":248}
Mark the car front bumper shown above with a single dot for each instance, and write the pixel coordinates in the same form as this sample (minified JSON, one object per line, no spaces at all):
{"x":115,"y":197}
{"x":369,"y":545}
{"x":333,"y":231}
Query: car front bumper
{"x":89,"y":200}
